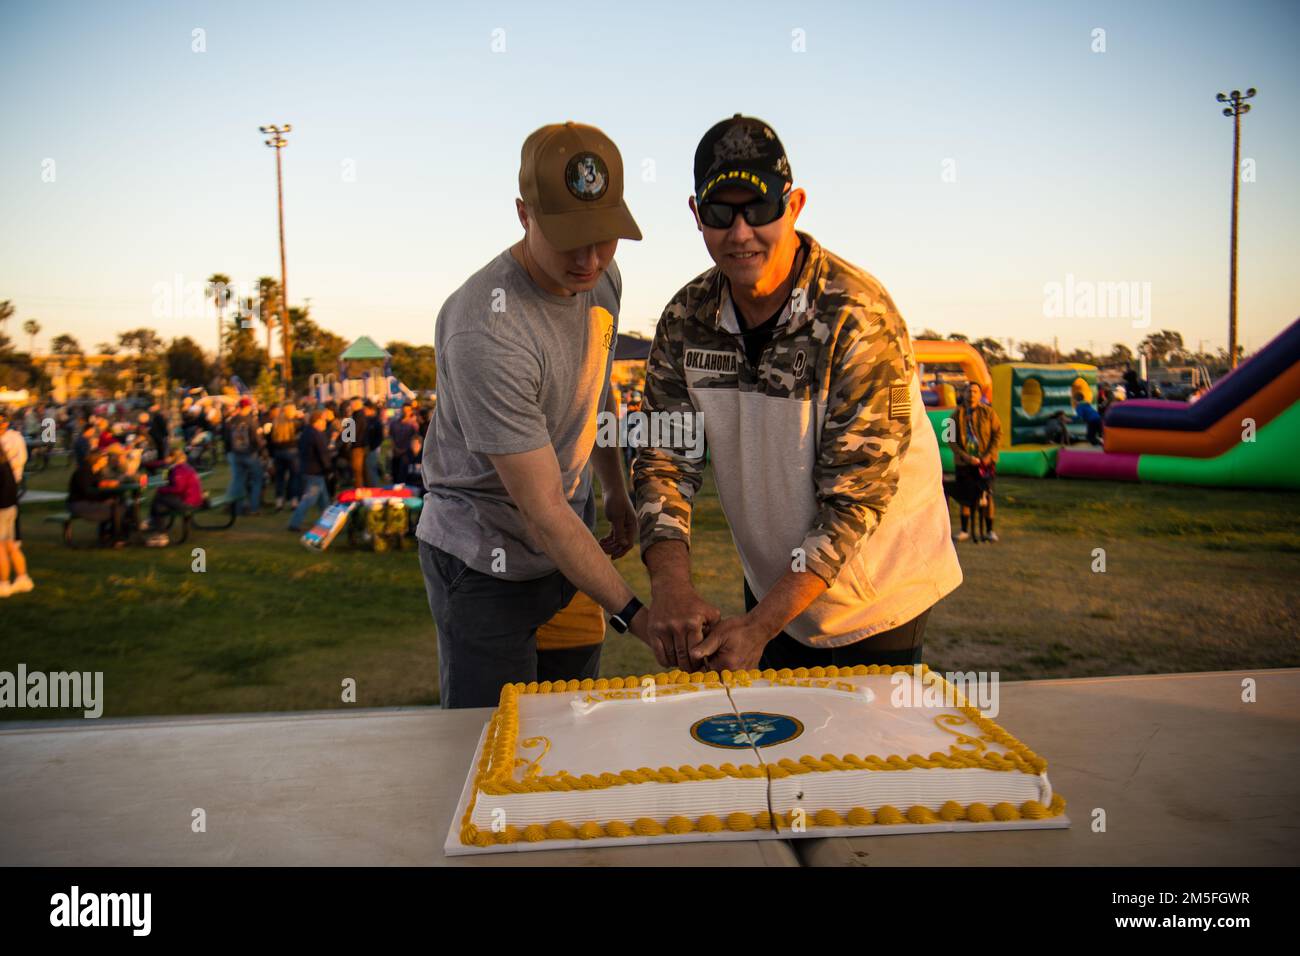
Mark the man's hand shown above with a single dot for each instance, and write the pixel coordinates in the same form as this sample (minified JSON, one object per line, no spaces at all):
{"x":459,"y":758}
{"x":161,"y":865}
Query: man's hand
{"x":640,"y":626}
{"x":622,"y":525}
{"x":678,"y":620}
{"x":735,"y":644}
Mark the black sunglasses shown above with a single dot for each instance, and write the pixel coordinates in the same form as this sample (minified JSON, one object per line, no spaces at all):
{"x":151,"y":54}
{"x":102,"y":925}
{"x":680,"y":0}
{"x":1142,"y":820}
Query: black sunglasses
{"x":757,"y":212}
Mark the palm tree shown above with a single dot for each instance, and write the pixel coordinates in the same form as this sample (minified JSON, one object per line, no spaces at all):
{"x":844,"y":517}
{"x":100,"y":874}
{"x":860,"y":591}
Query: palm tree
{"x":268,"y":295}
{"x":70,"y":358}
{"x":219,"y":291}
{"x":6,"y":313}
{"x":65,"y":345}
{"x":33,"y":329}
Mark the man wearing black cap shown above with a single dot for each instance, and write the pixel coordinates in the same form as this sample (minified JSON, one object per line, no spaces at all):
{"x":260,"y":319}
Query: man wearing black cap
{"x":827,"y":468}
{"x":524,"y":351}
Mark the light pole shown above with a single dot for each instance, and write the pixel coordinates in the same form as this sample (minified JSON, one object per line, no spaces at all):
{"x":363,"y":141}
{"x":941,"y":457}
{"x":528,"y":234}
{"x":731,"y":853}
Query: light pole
{"x":1238,"y":107}
{"x":278,"y":142}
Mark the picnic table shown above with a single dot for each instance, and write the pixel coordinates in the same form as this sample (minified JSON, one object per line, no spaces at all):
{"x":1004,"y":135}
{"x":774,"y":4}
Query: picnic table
{"x":133,"y":488}
{"x":1185,"y":770}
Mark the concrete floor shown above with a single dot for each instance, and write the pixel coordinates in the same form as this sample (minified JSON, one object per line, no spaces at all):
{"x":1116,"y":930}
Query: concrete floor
{"x":1185,"y":772}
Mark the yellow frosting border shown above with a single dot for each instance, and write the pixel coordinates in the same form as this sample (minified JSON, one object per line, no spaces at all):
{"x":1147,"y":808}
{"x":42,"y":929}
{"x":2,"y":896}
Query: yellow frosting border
{"x":495,"y":772}
{"x":500,"y":780}
{"x":741,"y":822}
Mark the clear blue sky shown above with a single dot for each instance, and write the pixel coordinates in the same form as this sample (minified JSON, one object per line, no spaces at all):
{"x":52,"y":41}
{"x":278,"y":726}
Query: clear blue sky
{"x":1109,"y":166}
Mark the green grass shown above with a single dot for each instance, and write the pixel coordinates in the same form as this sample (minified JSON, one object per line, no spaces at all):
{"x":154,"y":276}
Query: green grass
{"x":1196,"y":579}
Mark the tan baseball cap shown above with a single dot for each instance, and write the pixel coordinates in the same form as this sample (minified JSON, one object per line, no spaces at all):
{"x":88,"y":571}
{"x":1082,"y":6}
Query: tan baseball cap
{"x":571,"y":177}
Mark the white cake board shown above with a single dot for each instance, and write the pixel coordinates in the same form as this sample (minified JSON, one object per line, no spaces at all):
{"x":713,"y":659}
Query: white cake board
{"x":453,"y":846}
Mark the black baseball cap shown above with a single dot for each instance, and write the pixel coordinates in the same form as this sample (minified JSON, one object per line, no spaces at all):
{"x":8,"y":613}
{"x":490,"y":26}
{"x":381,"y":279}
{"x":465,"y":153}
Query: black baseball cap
{"x":741,"y":151}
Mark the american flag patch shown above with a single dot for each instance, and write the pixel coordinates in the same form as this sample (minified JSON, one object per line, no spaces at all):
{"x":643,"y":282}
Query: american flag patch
{"x":900,"y":402}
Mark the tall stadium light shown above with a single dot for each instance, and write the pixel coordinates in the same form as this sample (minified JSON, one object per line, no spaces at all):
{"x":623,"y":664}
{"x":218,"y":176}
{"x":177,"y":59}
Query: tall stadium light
{"x":1237,"y":108}
{"x":278,"y":142}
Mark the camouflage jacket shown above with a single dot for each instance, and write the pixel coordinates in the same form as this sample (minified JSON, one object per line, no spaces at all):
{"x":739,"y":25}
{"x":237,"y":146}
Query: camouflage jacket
{"x":810,"y":449}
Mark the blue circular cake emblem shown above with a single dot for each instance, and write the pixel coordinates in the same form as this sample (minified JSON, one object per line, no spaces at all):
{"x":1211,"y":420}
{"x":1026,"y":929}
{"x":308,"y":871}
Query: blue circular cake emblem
{"x":758,"y":729}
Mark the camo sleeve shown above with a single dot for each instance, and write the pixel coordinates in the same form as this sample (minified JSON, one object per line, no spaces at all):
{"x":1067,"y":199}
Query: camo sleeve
{"x":867,"y":430}
{"x":666,"y":479}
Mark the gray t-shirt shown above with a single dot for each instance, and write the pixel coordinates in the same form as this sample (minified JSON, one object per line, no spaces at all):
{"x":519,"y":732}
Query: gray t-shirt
{"x":518,"y":368}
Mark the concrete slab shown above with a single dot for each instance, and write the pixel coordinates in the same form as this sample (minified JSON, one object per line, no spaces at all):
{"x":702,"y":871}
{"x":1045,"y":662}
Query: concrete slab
{"x":1187,"y":773}
{"x":373,"y":787}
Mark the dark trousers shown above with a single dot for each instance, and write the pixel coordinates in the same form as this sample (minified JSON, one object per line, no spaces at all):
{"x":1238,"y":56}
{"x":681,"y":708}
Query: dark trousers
{"x":487,"y":630}
{"x":163,"y":504}
{"x":897,"y":646}
{"x":285,"y":463}
{"x":399,"y":465}
{"x":107,"y":512}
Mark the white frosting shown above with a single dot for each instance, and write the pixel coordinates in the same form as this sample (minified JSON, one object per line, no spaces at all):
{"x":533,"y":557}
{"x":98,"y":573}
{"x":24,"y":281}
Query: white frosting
{"x":595,"y":732}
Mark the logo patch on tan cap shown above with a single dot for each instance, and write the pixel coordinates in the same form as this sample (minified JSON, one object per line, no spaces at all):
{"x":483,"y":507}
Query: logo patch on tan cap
{"x":586,"y":177}
{"x":900,"y":402}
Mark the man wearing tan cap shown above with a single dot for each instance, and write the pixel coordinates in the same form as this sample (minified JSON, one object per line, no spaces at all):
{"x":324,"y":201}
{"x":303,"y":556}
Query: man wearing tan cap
{"x":524,"y":350}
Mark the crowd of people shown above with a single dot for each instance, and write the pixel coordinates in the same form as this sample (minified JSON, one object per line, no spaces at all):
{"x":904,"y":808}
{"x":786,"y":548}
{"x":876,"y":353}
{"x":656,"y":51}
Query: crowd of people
{"x":306,"y":452}
{"x":309,"y":451}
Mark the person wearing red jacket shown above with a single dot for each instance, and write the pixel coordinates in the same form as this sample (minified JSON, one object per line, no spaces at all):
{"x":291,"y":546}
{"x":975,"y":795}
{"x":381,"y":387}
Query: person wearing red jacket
{"x":183,"y":489}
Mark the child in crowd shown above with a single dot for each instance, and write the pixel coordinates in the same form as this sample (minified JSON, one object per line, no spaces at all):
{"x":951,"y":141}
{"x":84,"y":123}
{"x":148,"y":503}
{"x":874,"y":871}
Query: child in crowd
{"x":183,"y":490}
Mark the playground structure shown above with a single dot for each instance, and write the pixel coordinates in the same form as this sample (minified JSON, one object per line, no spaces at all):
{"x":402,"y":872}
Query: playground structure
{"x":1025,"y":397}
{"x":366,"y":372}
{"x":933,"y":352}
{"x":1242,"y":433}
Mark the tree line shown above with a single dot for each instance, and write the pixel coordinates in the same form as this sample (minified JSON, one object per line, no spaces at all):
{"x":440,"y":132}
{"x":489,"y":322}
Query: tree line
{"x":1163,"y":348}
{"x":144,"y":359}
{"x":246,"y":349}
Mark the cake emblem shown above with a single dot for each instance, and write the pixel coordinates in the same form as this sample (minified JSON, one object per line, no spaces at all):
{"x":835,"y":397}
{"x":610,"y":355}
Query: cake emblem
{"x":750,"y":729}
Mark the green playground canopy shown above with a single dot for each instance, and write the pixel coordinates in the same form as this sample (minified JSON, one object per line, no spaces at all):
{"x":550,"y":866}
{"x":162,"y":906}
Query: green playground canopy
{"x":362,"y":349}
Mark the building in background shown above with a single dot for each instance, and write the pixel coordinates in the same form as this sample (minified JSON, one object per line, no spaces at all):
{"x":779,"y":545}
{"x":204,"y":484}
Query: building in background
{"x":630,"y":354}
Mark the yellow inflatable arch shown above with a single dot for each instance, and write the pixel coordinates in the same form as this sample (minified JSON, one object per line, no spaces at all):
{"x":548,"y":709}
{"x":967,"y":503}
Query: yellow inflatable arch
{"x":961,"y":354}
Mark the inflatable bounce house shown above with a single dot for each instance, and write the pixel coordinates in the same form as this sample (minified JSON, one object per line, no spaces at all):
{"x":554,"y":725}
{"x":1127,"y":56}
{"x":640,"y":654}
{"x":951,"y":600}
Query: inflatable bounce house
{"x":1242,"y":433}
{"x":365,"y":371}
{"x":1025,"y":397}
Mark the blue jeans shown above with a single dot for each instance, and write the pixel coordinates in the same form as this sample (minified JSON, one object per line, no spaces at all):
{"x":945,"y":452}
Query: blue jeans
{"x":487,"y":630}
{"x":245,"y":470}
{"x":372,"y":468}
{"x":313,"y":492}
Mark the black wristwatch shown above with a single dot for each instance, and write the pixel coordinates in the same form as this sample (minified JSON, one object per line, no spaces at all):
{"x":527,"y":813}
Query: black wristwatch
{"x":623,"y":619}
